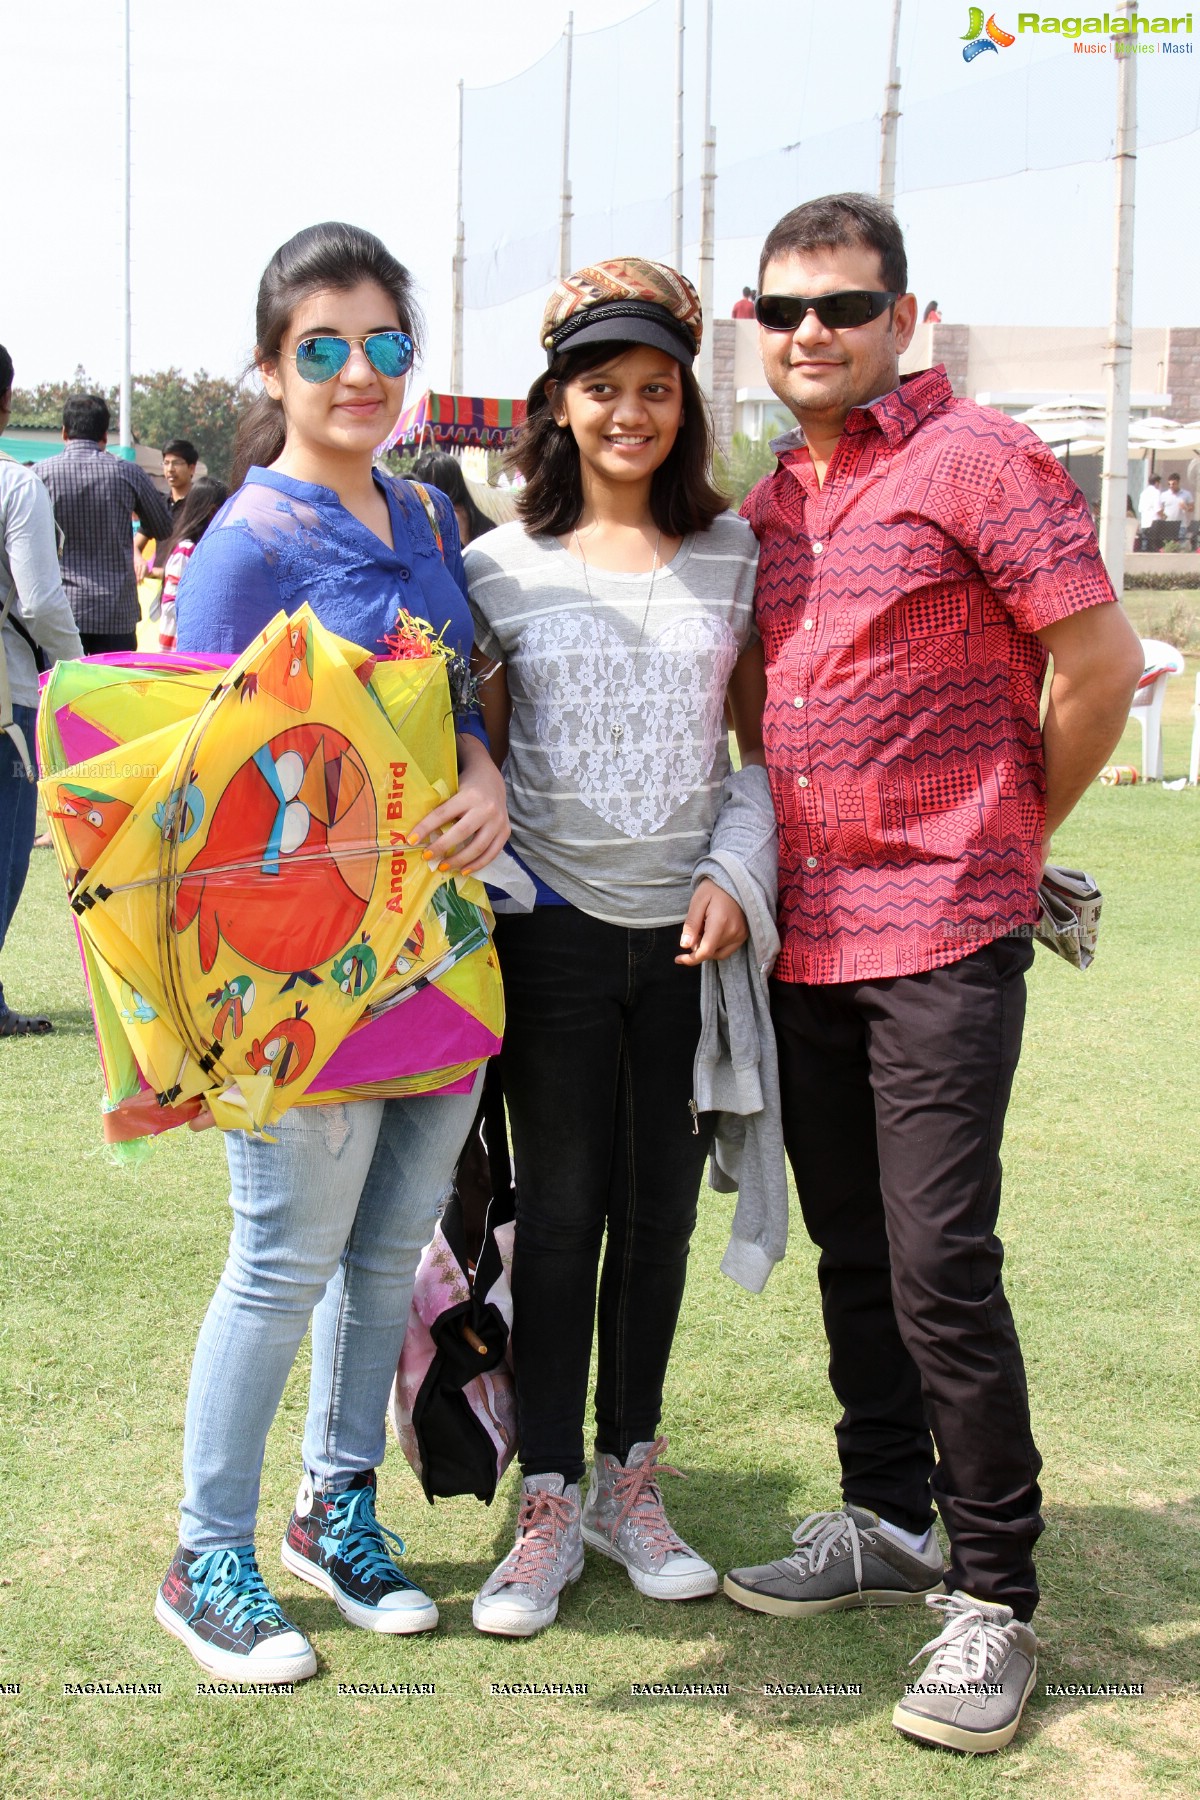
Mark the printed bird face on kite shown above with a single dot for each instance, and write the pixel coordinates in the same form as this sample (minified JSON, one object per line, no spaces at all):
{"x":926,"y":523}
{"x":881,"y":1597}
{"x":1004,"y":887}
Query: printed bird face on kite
{"x":285,"y":1051}
{"x":287,"y":673}
{"x":182,"y":814}
{"x":231,"y":1002}
{"x":89,"y":819}
{"x":355,"y":969}
{"x":411,"y":949}
{"x":293,"y":837}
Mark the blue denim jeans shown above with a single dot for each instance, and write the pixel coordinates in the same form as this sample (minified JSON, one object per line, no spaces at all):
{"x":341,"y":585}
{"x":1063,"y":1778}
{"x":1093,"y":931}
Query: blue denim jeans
{"x":18,"y":820}
{"x":328,"y":1223}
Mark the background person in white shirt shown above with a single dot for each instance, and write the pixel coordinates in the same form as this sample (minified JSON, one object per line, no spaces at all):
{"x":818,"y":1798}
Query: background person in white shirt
{"x":1177,"y":509}
{"x":38,"y":628}
{"x":1150,"y":513}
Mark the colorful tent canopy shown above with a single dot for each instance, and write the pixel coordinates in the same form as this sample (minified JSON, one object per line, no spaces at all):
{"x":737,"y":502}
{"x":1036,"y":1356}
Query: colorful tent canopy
{"x":457,"y":422}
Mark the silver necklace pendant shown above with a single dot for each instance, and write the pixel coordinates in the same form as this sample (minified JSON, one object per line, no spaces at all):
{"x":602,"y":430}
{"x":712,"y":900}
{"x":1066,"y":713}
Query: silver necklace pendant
{"x":616,"y":731}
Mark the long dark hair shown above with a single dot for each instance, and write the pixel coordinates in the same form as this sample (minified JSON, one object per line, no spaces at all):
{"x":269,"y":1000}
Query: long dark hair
{"x":204,"y":500}
{"x":682,"y":495}
{"x":445,"y":472}
{"x":322,"y":256}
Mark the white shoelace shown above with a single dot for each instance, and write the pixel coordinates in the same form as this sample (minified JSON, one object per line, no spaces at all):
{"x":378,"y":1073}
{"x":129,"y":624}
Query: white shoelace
{"x":819,"y":1534}
{"x":969,"y":1647}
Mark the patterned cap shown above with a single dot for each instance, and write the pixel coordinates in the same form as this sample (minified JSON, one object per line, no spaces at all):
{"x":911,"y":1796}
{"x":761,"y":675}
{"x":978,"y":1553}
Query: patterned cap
{"x":627,"y":300}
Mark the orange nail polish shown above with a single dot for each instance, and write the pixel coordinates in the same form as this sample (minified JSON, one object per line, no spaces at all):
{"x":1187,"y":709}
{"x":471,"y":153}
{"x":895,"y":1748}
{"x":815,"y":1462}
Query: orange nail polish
{"x":412,"y":838}
{"x":443,"y":868}
{"x":427,"y":855}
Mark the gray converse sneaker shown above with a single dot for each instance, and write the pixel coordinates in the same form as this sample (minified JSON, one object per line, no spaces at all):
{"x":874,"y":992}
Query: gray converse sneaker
{"x":521,"y":1596}
{"x":625,"y":1518}
{"x":983,"y":1664}
{"x":841,"y":1559}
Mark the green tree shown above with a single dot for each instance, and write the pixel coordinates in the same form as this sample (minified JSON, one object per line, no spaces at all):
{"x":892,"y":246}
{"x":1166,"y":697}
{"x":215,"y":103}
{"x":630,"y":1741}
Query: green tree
{"x":166,"y":404}
{"x":203,"y":408}
{"x":41,"y":408}
{"x":749,"y":460}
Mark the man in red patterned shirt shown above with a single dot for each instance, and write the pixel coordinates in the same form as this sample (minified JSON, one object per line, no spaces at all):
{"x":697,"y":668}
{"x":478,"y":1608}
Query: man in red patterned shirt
{"x":919,"y":557}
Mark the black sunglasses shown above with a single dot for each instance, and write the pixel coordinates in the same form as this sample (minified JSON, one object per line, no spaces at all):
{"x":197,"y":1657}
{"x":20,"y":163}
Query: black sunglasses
{"x":837,"y":312}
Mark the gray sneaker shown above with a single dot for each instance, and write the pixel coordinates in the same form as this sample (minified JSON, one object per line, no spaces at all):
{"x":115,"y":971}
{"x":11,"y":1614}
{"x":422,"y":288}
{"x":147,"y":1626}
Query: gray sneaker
{"x":521,"y":1596}
{"x":983,"y":1664}
{"x":624,"y":1517}
{"x":841,"y":1559}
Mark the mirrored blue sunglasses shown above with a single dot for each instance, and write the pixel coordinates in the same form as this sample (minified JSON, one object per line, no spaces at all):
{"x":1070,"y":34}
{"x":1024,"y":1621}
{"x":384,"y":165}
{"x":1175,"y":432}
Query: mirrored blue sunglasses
{"x":321,"y":358}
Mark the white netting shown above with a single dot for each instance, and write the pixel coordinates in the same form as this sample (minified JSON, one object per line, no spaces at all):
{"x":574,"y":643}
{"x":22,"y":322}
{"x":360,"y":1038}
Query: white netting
{"x":512,"y":180}
{"x":796,"y":102}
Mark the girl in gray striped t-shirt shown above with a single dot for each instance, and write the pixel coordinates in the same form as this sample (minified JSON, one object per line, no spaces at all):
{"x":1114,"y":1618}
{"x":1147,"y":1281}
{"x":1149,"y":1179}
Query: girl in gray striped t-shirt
{"x":614,"y":624}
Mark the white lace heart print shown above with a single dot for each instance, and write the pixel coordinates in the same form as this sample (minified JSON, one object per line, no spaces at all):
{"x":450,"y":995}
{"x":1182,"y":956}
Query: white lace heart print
{"x":634,"y":736}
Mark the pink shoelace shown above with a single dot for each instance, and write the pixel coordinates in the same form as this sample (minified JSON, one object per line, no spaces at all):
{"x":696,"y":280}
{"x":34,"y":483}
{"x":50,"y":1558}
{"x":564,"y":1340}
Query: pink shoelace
{"x":641,"y":1501}
{"x":540,"y":1524}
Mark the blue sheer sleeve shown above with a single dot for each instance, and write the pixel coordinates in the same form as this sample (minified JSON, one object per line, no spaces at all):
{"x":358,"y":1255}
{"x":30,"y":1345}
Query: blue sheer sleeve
{"x":229,"y":591}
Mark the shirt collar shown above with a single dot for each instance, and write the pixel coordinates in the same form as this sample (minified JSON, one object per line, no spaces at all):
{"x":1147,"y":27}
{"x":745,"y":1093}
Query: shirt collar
{"x":895,"y":414}
{"x":83,"y":447}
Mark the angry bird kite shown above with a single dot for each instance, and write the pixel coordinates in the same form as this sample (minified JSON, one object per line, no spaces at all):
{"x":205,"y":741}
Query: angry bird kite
{"x":255,"y":837}
{"x":293,"y":837}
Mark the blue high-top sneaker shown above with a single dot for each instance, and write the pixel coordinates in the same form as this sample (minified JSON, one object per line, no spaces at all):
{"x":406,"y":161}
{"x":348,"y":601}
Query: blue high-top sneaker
{"x":338,"y":1544}
{"x":217,"y":1603}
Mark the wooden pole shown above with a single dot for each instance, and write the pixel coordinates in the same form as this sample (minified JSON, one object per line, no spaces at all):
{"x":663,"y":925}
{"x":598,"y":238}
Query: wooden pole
{"x":1114,"y":479}
{"x":456,"y":341}
{"x":891,"y":117}
{"x":708,"y":179}
{"x":564,"y":227}
{"x":126,"y":406}
{"x":677,"y":192}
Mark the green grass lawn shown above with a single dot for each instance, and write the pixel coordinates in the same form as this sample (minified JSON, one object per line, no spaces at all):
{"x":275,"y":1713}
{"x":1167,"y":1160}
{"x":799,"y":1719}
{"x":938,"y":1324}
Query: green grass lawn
{"x":107,"y":1274}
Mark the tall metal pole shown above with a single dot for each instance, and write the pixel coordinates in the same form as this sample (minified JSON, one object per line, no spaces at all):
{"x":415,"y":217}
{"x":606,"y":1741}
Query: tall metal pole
{"x":456,"y":341}
{"x":564,"y":229}
{"x":1114,"y":480}
{"x":677,"y":191}
{"x":126,"y":409}
{"x":708,"y":178}
{"x":891,"y":117}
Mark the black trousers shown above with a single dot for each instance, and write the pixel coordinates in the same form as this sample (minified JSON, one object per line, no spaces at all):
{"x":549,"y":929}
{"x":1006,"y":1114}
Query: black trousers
{"x":894,"y":1096}
{"x":599,"y":1041}
{"x":106,"y":643}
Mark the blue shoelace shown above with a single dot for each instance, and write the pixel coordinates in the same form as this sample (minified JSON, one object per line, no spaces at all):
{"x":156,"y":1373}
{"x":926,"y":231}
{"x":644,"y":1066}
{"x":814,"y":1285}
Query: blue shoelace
{"x":356,"y":1535}
{"x":229,"y":1582}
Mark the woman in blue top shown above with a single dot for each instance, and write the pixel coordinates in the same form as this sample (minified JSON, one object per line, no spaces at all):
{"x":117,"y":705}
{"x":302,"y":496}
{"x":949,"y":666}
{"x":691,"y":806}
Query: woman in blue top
{"x":330,"y":1217}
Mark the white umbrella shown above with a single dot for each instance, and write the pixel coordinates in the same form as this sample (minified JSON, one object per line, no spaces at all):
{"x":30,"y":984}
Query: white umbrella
{"x":1064,"y":423}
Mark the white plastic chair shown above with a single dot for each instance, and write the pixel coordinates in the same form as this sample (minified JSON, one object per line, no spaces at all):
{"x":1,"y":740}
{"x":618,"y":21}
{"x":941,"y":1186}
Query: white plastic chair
{"x":1194,"y":759}
{"x":1162,"y":661}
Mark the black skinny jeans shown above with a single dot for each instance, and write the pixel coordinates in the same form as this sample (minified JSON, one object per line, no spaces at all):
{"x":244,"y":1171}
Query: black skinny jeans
{"x":599,"y":1042}
{"x":894,"y":1095}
